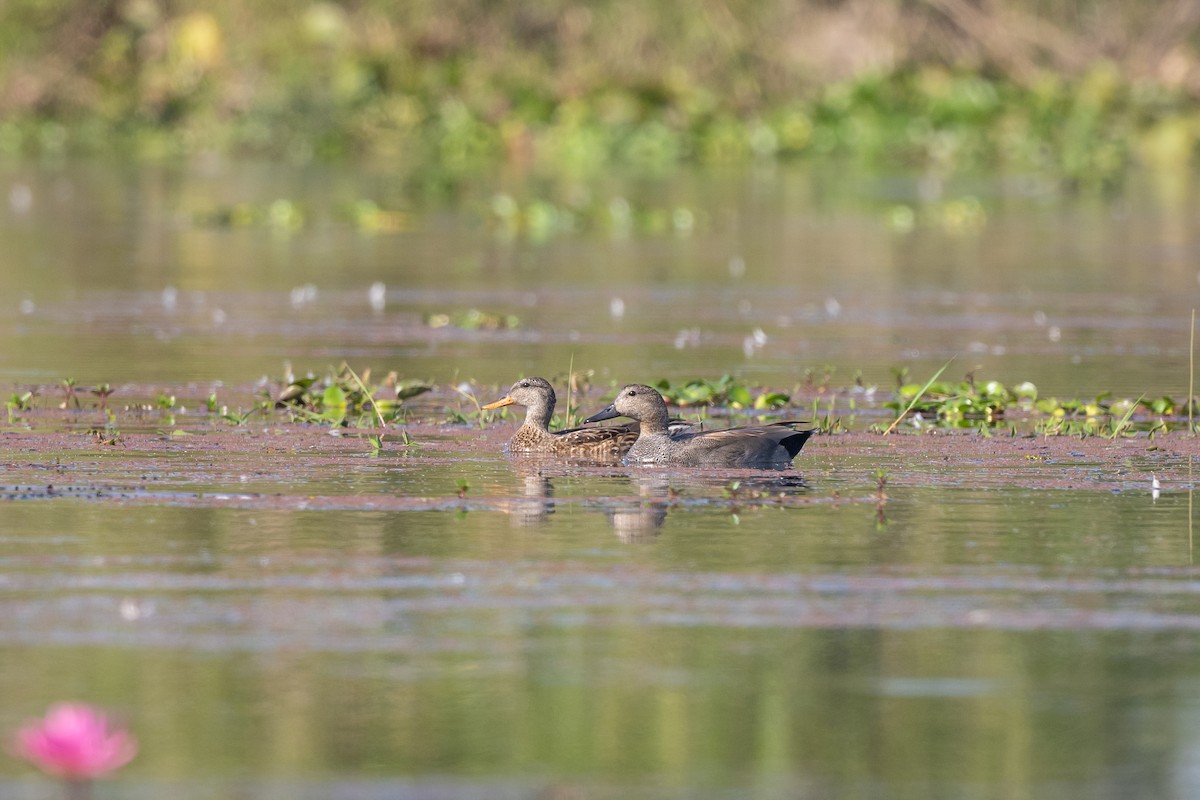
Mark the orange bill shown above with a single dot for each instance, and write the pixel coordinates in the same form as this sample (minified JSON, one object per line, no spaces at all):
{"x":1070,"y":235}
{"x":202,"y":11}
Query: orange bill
{"x":503,"y":401}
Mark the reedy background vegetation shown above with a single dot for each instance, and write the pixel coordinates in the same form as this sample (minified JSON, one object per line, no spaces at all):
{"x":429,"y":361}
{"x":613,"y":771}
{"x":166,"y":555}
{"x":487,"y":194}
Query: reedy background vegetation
{"x":1078,"y":88}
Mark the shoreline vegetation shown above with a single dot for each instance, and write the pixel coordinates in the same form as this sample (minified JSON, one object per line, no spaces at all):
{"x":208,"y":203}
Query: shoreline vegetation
{"x":1079,"y":91}
{"x":344,"y":399}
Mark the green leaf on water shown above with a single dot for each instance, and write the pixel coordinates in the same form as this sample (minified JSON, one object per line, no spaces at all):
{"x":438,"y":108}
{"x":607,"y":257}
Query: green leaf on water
{"x":412,"y":390}
{"x":333,"y":397}
{"x":333,"y":404}
{"x":768,"y":400}
{"x":739,"y":397}
{"x":1025,"y":391}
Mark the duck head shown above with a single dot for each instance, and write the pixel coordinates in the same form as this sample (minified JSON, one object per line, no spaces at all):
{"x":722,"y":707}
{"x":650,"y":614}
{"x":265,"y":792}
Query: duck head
{"x":535,"y":394}
{"x":639,"y":402}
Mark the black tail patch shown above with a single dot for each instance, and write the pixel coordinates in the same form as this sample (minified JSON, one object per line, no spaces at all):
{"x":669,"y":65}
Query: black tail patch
{"x":795,"y":443}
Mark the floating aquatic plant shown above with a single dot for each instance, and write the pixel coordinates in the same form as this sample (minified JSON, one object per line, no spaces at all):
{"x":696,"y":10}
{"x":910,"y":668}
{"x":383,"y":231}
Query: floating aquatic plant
{"x":76,"y":742}
{"x":18,"y":402}
{"x":103,"y":391}
{"x":726,"y":391}
{"x":69,"y":396}
{"x":344,"y":398}
{"x":474,"y":320}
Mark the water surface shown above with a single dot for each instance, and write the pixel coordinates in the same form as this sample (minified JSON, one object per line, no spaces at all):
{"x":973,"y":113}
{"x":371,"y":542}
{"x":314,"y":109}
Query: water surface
{"x":278,"y":612}
{"x":114,"y":274}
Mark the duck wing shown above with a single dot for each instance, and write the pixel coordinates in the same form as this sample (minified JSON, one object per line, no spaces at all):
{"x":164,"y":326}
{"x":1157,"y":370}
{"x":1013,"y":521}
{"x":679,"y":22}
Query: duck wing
{"x":608,"y":440}
{"x":749,"y":446}
{"x":675,"y":425}
{"x":599,"y":432}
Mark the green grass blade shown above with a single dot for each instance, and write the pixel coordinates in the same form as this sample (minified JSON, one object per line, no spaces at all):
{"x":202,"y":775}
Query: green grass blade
{"x":1120,"y":426}
{"x":917,"y":398}
{"x":570,"y":381}
{"x":362,"y":387}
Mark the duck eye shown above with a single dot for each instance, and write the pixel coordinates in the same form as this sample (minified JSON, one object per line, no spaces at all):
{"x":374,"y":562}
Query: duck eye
{"x":524,"y":384}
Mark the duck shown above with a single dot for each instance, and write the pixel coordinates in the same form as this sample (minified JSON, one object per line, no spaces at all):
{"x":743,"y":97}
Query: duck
{"x":534,"y":436}
{"x":760,"y":446}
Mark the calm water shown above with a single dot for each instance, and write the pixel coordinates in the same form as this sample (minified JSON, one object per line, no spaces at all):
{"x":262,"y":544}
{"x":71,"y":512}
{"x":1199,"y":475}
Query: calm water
{"x":279,"y":615}
{"x":1019,"y":281}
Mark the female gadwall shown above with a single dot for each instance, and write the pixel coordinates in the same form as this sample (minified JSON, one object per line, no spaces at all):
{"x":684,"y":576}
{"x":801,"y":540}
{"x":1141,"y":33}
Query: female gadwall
{"x":764,"y":446}
{"x":534,"y":435}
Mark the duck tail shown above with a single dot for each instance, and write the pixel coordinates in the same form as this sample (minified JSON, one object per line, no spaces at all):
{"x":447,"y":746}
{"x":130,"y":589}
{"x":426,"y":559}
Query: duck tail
{"x":795,"y":443}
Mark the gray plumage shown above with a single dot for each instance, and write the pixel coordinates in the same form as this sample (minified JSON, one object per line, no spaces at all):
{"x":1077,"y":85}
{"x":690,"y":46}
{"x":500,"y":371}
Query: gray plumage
{"x":760,"y":446}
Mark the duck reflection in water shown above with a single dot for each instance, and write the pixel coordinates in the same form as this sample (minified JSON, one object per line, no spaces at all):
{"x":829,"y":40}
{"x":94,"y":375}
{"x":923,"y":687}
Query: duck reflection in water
{"x":642,"y":515}
{"x":643,"y":520}
{"x":631,"y":519}
{"x":536,"y":504}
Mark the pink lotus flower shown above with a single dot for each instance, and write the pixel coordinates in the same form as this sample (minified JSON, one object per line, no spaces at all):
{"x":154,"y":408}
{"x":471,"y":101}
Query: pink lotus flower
{"x":75,"y":741}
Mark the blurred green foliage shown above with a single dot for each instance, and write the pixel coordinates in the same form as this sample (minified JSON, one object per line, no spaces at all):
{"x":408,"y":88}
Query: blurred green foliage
{"x":971,"y":404}
{"x":464,"y":86}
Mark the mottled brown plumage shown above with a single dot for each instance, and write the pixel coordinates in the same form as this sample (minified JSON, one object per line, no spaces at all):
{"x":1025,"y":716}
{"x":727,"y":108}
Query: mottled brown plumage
{"x":535,"y":436}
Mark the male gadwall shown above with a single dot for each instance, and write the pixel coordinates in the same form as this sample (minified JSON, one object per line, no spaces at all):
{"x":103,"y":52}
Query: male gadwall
{"x":762,"y":446}
{"x":534,"y":435}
